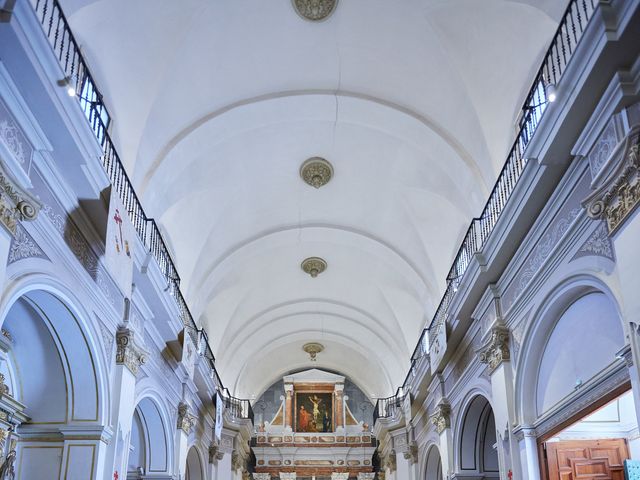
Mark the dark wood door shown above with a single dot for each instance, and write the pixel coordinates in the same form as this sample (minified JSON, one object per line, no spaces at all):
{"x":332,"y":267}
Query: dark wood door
{"x":587,"y":459}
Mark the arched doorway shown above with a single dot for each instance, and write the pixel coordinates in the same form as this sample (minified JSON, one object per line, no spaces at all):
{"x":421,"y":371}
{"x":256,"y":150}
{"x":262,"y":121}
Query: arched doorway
{"x":194,"y":465}
{"x":149,"y":452}
{"x":477,"y":455}
{"x":433,"y":464}
{"x":51,"y":368}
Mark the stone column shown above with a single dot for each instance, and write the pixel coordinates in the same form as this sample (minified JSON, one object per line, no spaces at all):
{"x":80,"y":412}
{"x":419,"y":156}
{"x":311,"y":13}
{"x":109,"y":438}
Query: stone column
{"x":496,"y":354}
{"x":288,"y":406}
{"x":129,"y":358}
{"x":184,"y":427}
{"x":339,"y":393}
{"x":529,"y":453}
{"x":441,"y":419}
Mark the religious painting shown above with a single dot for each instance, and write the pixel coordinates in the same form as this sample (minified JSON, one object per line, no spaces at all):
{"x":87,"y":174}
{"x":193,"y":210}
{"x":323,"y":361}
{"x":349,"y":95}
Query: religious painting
{"x":314,"y":412}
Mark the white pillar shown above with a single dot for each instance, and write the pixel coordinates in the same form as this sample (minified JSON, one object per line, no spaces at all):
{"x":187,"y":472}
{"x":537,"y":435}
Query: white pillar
{"x":128,"y":360}
{"x":529,"y":454}
{"x":184,"y":426}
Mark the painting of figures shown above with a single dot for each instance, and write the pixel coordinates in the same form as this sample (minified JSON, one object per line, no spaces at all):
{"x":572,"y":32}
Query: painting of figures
{"x":314,"y":412}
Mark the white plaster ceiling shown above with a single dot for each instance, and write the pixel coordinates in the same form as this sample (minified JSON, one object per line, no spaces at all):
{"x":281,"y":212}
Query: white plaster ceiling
{"x":216,"y":103}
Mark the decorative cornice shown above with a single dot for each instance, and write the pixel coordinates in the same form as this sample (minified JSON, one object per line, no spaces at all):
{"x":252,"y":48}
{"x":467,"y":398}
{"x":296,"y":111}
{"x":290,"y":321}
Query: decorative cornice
{"x":314,"y":266}
{"x":186,"y":421}
{"x":314,"y":10}
{"x":16,"y":204}
{"x":129,"y":353}
{"x":618,"y":194}
{"x":497,"y":350}
{"x":441,"y":417}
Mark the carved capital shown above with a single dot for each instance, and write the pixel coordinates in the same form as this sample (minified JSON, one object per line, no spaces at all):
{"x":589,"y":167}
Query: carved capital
{"x":389,"y":462}
{"x":497,"y":350}
{"x":128,"y":353}
{"x":411,"y":453}
{"x":214,"y":451}
{"x":617,"y":196}
{"x":16,"y":204}
{"x":441,"y":417}
{"x":186,"y":421}
{"x":237,"y":461}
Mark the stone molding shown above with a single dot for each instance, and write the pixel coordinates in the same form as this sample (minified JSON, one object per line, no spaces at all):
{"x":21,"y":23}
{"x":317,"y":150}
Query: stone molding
{"x":186,"y":421}
{"x":339,"y":476}
{"x":441,"y":418}
{"x":261,"y":476}
{"x":618,"y":194}
{"x":366,"y":476}
{"x":16,"y":204}
{"x":496,"y":350}
{"x":287,"y":475}
{"x":129,"y":353}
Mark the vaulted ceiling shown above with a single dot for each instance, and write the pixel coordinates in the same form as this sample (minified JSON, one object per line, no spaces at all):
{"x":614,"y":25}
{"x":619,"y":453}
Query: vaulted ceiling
{"x":217,"y":103}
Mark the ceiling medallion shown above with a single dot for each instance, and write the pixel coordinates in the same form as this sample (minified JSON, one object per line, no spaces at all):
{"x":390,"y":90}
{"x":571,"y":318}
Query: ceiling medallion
{"x":313,"y":349}
{"x":316,"y":172}
{"x":314,"y":266}
{"x":314,"y":10}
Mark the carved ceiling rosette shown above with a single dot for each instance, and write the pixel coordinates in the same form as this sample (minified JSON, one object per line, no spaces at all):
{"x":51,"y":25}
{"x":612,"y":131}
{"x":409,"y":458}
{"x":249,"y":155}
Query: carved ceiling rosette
{"x":314,"y":10}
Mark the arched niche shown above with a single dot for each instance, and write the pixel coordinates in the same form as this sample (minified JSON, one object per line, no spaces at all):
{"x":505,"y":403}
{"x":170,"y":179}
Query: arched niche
{"x":194,"y":465}
{"x":433,"y":464}
{"x":583,"y":341}
{"x":149,"y":444}
{"x":51,"y":367}
{"x":477,"y":437}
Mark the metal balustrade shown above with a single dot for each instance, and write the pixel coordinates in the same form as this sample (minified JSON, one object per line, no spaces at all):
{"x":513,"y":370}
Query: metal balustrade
{"x":387,"y":407}
{"x":78,"y":77}
{"x":563,"y":45}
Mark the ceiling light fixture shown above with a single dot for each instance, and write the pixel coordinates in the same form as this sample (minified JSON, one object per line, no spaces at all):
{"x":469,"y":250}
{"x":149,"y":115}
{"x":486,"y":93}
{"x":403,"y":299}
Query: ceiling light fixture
{"x":313,"y":349}
{"x":314,"y":266}
{"x":552,"y":94}
{"x":68,"y":85}
{"x":316,"y":172}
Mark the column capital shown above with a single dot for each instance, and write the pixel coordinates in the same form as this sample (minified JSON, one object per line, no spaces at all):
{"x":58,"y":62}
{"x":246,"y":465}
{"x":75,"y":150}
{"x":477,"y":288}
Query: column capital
{"x":411,"y":453}
{"x":617,"y":192}
{"x":496,"y":350}
{"x":389,"y":461}
{"x":186,"y":421}
{"x":129,"y":353}
{"x":441,"y":417}
{"x":16,"y":204}
{"x":215,"y":454}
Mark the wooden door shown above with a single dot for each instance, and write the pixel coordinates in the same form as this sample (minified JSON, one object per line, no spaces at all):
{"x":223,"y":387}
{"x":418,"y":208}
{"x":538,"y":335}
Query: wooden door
{"x":586,"y":459}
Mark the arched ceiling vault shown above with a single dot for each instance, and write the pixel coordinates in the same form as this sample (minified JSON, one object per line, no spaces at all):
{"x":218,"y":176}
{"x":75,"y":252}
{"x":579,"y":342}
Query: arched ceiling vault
{"x":215,"y":106}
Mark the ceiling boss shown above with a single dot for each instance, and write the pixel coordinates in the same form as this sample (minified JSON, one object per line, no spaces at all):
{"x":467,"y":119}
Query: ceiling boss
{"x":314,"y":10}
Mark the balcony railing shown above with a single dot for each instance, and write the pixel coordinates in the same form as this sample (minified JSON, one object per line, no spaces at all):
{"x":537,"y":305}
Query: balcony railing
{"x":545,"y":85}
{"x":387,"y":407}
{"x":78,"y":77}
{"x":239,"y":408}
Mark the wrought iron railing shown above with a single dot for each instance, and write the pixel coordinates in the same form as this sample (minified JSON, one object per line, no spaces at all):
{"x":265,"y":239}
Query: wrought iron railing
{"x":79,"y":79}
{"x":545,"y":85}
{"x":387,"y":407}
{"x":239,"y":408}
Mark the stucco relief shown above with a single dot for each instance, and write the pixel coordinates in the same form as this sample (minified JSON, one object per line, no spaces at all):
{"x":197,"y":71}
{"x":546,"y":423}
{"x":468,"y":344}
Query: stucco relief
{"x":603,"y":149}
{"x":13,"y":137}
{"x":24,"y":246}
{"x":598,"y":244}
